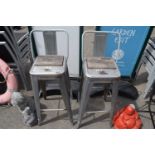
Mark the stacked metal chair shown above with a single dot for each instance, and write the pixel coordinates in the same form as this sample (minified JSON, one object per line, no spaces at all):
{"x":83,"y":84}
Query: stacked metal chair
{"x":50,"y":66}
{"x":97,"y":69}
{"x":148,"y":60}
{"x":18,"y":53}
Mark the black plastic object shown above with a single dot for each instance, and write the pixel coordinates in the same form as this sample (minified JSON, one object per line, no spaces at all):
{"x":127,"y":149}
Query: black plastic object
{"x":3,"y":86}
{"x":126,"y":89}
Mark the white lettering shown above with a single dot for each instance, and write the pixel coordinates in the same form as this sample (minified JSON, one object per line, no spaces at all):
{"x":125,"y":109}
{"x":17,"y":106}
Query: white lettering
{"x":125,"y":34}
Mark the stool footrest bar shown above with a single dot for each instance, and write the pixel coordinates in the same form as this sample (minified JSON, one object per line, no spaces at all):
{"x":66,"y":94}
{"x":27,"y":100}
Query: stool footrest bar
{"x":44,"y":110}
{"x":96,"y":111}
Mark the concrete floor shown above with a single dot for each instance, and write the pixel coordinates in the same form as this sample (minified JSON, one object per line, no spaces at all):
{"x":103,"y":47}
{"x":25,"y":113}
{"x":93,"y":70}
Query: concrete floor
{"x":11,"y":118}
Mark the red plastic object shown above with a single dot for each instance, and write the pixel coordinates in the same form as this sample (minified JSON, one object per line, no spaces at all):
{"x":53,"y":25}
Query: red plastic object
{"x":127,"y":118}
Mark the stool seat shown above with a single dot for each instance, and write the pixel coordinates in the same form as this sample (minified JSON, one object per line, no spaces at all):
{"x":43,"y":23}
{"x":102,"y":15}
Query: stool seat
{"x":49,"y":60}
{"x":100,"y":63}
{"x":49,"y":65}
{"x":100,"y":67}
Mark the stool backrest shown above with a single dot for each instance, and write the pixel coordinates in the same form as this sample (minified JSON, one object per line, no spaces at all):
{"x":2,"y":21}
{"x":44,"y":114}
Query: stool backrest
{"x":48,"y":38}
{"x":94,"y":43}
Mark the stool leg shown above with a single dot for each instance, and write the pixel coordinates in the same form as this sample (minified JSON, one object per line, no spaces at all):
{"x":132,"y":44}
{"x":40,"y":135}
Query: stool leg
{"x":35,"y":88}
{"x":68,"y":82}
{"x":84,"y":100}
{"x":114,"y":99}
{"x":66,"y":97}
{"x":43,"y":87}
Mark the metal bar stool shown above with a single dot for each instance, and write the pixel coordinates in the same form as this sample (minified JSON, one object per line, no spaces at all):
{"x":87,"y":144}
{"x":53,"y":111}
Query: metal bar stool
{"x":98,"y":70}
{"x":53,"y":68}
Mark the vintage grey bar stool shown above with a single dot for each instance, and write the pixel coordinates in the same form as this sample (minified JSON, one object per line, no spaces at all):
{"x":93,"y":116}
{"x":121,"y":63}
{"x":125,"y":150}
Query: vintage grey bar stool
{"x":53,"y":68}
{"x":98,"y":70}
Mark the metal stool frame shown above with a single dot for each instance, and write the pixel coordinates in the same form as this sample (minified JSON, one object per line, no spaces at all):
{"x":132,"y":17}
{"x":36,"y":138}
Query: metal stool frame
{"x":90,"y":78}
{"x":57,"y":74}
